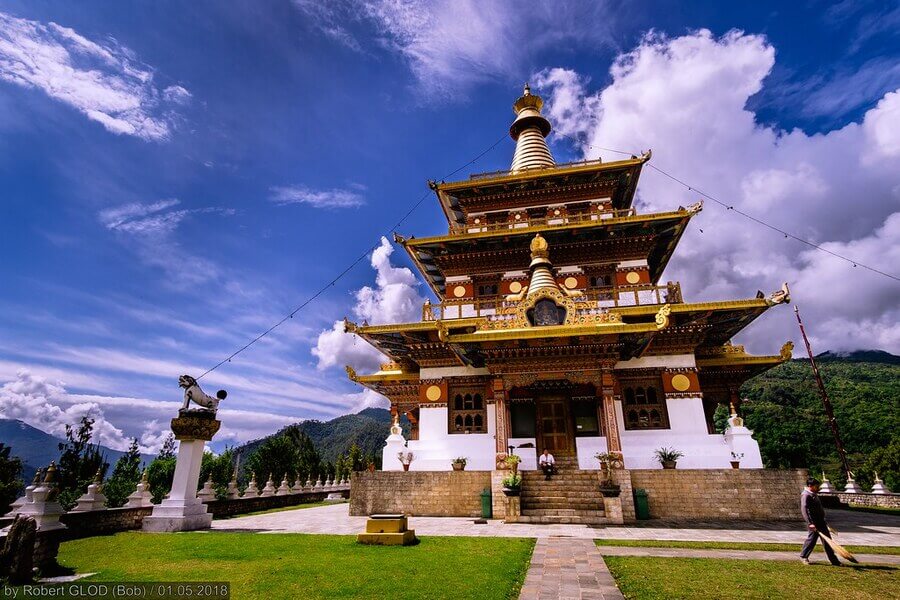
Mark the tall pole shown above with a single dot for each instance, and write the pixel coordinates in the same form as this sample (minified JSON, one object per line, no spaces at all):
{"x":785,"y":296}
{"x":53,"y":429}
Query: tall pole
{"x":825,"y":401}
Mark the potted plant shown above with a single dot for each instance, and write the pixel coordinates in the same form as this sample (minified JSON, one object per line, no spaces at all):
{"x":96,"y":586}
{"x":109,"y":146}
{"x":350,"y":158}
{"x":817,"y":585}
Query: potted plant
{"x":512,"y":461}
{"x":512,"y":484}
{"x":668,"y":457}
{"x":370,"y":466}
{"x":459,"y":463}
{"x":736,"y":459}
{"x":405,"y":459}
{"x":608,"y":462}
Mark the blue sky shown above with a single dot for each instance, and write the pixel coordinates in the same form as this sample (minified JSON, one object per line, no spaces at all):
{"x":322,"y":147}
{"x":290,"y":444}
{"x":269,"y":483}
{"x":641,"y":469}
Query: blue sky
{"x":178,"y":176}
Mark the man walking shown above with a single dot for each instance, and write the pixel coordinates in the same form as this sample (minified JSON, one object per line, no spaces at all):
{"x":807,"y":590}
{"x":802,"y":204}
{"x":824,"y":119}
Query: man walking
{"x":546,"y":463}
{"x":814,"y":515}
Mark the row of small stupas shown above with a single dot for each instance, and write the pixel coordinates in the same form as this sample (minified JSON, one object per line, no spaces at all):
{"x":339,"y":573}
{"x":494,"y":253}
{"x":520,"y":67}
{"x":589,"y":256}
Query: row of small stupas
{"x":552,"y":329}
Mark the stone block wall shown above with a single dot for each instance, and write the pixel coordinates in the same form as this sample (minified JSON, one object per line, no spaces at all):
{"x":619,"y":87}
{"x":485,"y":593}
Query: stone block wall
{"x":874,"y":500}
{"x":419,"y":493}
{"x":102,"y":522}
{"x":721,"y":494}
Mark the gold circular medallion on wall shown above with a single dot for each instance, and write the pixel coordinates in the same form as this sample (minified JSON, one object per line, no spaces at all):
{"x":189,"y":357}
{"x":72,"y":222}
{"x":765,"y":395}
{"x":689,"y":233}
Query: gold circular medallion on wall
{"x":433,"y":393}
{"x":477,"y":221}
{"x":571,"y":283}
{"x":515,"y":287}
{"x":518,"y":217}
{"x":681,"y":382}
{"x":633,"y":277}
{"x":459,"y":291}
{"x":556,"y":212}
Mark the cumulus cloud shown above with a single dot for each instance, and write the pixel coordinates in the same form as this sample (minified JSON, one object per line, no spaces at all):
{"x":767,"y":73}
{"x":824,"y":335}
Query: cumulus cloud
{"x":686,"y":98}
{"x":450,"y":45}
{"x":333,"y":198}
{"x":103,"y":81}
{"x":47,"y":406}
{"x":394,"y":299}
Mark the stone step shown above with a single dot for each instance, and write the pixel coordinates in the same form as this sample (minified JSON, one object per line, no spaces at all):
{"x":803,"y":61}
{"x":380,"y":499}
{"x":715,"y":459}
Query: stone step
{"x":593,"y":506}
{"x":563,"y":520}
{"x":563,"y":512}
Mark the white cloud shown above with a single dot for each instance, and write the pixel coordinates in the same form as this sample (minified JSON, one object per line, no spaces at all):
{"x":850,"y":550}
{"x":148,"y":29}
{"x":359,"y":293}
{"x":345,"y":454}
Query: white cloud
{"x":103,"y":81}
{"x":333,"y":198}
{"x":450,"y":45}
{"x":46,"y":405}
{"x":394,"y":299}
{"x":686,"y":98}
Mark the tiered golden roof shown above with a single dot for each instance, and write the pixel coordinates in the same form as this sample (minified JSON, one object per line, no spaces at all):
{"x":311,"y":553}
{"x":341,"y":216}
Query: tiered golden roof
{"x":529,"y":130}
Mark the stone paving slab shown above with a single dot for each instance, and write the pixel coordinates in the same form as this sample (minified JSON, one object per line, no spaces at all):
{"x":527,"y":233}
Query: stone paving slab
{"x":568,"y":569}
{"x":883,"y":559}
{"x":856,"y":528}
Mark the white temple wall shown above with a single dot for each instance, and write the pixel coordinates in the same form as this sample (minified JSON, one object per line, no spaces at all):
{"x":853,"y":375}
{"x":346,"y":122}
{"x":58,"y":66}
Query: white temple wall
{"x":528,"y":455}
{"x":687,"y":434}
{"x":436,"y":448}
{"x":587,"y":448}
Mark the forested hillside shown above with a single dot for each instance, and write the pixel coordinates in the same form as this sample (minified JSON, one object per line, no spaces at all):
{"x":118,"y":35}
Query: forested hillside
{"x":785,"y":412}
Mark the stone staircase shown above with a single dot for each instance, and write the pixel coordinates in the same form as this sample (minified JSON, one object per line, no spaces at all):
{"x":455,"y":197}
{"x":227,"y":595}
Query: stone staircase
{"x":571,"y":496}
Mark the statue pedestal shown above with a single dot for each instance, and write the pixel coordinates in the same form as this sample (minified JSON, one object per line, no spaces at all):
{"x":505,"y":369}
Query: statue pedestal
{"x":183,"y":510}
{"x":740,"y":441}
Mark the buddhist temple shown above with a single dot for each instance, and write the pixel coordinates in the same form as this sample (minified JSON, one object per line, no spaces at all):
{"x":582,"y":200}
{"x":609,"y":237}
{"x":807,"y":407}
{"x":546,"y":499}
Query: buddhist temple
{"x":553,"y":330}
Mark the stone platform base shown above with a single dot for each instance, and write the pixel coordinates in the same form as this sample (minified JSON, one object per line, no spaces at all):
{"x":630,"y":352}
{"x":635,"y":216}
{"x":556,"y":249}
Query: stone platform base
{"x":178,"y":515}
{"x":387,"y":530}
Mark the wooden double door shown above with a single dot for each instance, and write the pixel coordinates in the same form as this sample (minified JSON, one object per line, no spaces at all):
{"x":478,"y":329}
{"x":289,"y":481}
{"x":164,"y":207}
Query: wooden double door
{"x":554,"y":427}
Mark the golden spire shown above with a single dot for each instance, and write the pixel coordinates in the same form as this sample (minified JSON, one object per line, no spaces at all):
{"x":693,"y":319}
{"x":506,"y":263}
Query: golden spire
{"x":529,"y":130}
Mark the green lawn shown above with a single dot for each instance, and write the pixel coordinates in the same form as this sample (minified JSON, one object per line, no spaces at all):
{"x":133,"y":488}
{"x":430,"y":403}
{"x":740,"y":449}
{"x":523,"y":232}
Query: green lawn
{"x":895,"y":550}
{"x":645,"y":578}
{"x":309,"y":566}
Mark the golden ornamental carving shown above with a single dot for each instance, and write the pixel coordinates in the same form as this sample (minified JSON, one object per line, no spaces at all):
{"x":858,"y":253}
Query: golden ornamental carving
{"x":195,"y":427}
{"x":351,"y":373}
{"x":539,"y":247}
{"x":782,"y":296}
{"x":349,"y":326}
{"x":513,"y":314}
{"x":662,"y":316}
{"x":391,"y":366}
{"x":787,"y":351}
{"x":724,"y":350}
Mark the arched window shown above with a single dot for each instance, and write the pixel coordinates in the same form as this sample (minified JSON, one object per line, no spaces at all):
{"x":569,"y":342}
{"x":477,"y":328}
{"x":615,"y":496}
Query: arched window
{"x":640,"y":396}
{"x":467,"y":402}
{"x":478,"y":404}
{"x":478,"y":422}
{"x":458,"y":402}
{"x":629,"y":396}
{"x":458,"y":422}
{"x":468,"y":421}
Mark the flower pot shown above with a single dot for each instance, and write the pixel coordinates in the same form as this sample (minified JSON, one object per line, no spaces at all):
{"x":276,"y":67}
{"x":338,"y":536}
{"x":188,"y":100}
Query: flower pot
{"x":512,"y":491}
{"x":735,"y":464}
{"x":459,"y":466}
{"x":610,"y":491}
{"x":406,"y":467}
{"x":371,"y":468}
{"x":668,"y":464}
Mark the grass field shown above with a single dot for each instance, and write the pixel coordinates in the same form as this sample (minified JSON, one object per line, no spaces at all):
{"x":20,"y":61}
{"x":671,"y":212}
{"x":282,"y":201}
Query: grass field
{"x":894,"y":550}
{"x":642,"y":578}
{"x":309,"y":566}
{"x":283,"y":509}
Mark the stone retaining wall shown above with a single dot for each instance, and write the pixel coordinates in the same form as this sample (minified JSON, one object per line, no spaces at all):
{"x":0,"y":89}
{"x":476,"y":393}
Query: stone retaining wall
{"x":879,"y":500}
{"x":419,"y":493}
{"x":229,"y":508}
{"x":102,"y":522}
{"x":722,"y":494}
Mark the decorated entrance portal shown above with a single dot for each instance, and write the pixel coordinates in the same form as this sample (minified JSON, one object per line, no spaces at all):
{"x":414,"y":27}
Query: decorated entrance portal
{"x":553,"y":414}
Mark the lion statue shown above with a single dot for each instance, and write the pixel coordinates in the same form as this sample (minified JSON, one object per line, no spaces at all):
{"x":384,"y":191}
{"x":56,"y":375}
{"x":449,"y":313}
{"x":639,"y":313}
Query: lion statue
{"x":193,"y":393}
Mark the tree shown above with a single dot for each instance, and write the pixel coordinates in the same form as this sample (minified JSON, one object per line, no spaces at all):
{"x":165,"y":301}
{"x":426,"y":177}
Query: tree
{"x":10,"y":478}
{"x":221,"y":468}
{"x":125,"y":477}
{"x":79,"y":462}
{"x":276,"y":456}
{"x":160,"y":474}
{"x":355,"y":459}
{"x":168,"y":447}
{"x":720,"y":418}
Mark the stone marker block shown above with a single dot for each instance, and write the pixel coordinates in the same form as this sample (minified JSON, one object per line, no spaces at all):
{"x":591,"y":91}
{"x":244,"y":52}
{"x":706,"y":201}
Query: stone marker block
{"x":387,"y":530}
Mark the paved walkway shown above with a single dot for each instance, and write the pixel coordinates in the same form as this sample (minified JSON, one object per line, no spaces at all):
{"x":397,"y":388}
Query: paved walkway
{"x":570,"y":569}
{"x":856,"y":528}
{"x":883,"y":559}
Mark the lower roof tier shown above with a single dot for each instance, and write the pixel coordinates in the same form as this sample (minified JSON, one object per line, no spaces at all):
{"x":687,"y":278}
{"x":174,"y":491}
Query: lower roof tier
{"x":720,"y":372}
{"x":617,"y":334}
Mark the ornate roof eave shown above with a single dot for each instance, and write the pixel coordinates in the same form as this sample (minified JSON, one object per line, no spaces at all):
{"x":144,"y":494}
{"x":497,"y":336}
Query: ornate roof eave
{"x":735,"y":356}
{"x":446,"y":191}
{"x":553,"y":331}
{"x":679,"y":220}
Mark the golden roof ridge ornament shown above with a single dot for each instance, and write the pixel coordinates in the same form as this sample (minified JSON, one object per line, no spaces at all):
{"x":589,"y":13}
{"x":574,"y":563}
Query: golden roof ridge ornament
{"x":787,"y":351}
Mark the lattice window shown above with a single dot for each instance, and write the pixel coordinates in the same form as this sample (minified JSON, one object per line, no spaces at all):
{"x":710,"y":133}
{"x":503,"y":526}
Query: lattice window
{"x":467,"y":412}
{"x":644,"y":405}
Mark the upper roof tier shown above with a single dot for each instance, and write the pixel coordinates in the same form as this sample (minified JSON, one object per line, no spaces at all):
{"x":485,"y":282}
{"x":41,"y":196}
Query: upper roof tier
{"x":534,"y":178}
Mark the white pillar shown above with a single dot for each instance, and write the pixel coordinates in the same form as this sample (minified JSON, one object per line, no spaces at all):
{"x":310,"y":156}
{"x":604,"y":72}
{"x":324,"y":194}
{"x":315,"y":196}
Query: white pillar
{"x":183,"y":510}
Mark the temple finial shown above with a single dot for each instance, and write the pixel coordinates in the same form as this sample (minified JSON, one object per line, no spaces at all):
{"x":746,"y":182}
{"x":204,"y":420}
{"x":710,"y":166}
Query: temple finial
{"x":529,"y":130}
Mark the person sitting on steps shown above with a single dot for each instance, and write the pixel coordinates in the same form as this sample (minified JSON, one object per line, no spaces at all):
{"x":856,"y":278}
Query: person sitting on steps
{"x":547,"y":464}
